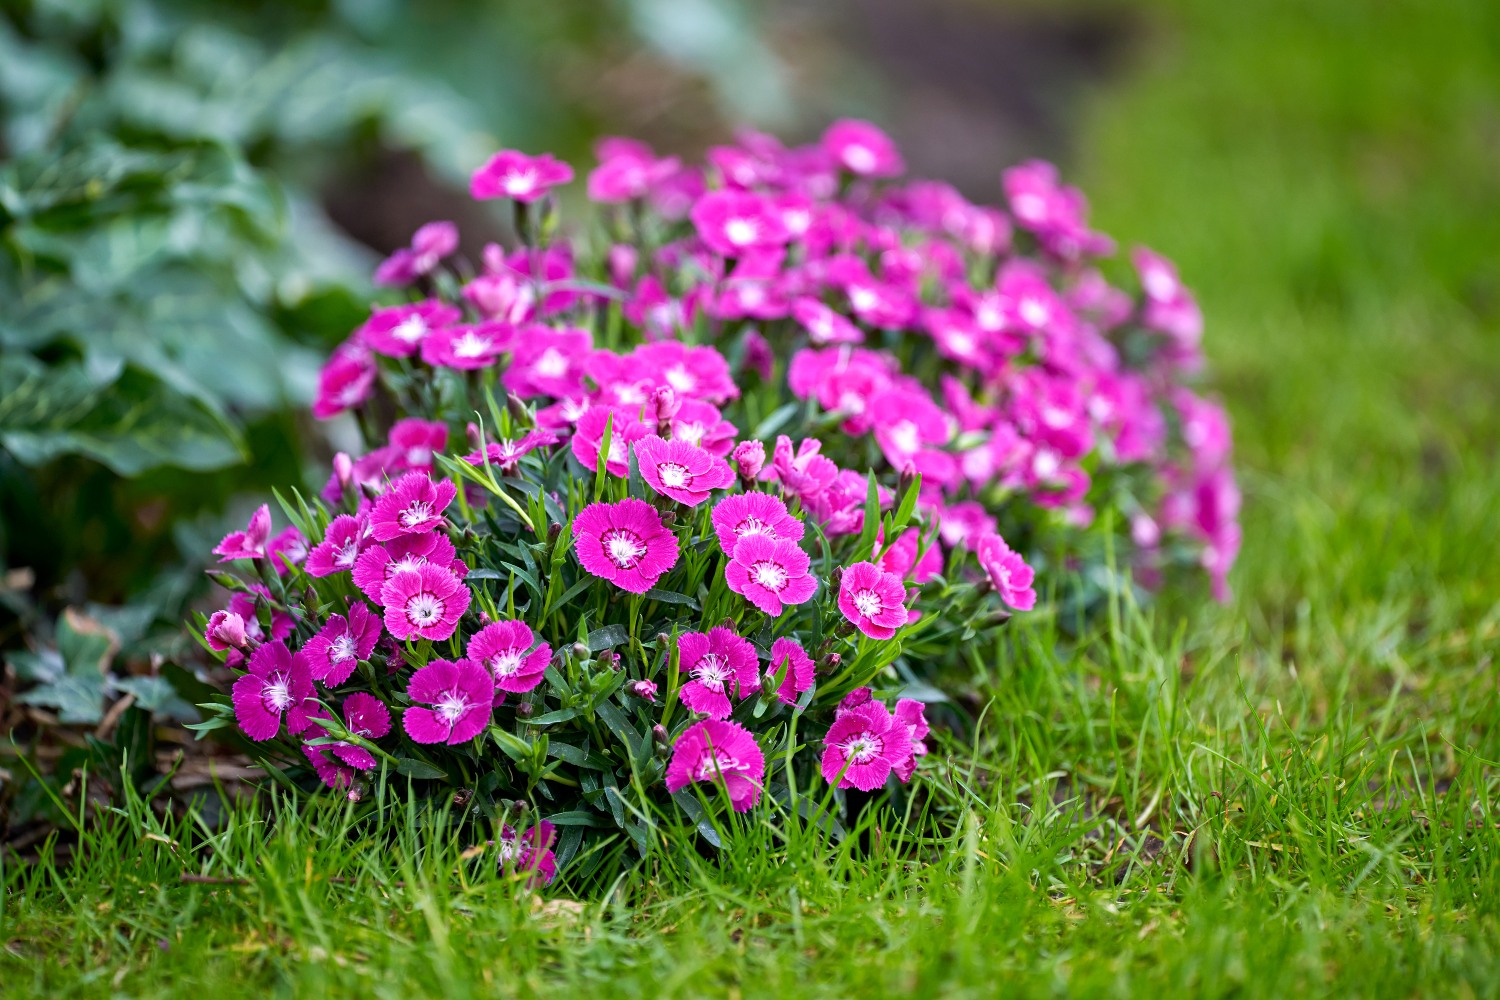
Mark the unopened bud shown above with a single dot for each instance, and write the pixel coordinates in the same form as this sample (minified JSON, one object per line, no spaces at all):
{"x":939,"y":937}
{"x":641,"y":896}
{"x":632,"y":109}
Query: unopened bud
{"x":462,"y":797}
{"x":768,"y":685}
{"x":835,"y":578}
{"x":580,"y":650}
{"x":662,"y":639}
{"x":727,"y":623}
{"x":520,"y":807}
{"x":517,"y":407}
{"x":343,"y":468}
{"x":749,"y":459}
{"x":666,"y":403}
{"x":662,"y":740}
{"x":829,"y":664}
{"x":554,"y":531}
{"x":226,"y":580}
{"x":524,"y":710}
{"x":607,"y":660}
{"x":226,"y":630}
{"x":475,"y":435}
{"x":354,"y":794}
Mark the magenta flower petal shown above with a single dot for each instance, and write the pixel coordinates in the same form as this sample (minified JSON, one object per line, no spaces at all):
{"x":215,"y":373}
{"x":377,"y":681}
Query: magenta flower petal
{"x":680,"y":470}
{"x":505,"y":649}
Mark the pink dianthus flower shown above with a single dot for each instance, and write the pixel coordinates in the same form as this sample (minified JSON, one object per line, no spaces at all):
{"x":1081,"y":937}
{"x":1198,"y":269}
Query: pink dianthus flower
{"x":680,"y":470}
{"x":276,"y":683}
{"x":770,"y":573}
{"x":339,"y":548}
{"x":250,"y":543}
{"x":468,"y":347}
{"x":529,"y":852}
{"x":719,"y":664}
{"x":736,"y":222}
{"x":377,"y":564}
{"x":514,"y":175}
{"x":425,"y":603}
{"x":461,"y":697}
{"x":345,"y":640}
{"x":862,"y":149}
{"x":504,"y":648}
{"x":722,"y":753}
{"x":874,"y":600}
{"x":743,"y":514}
{"x":414,"y":505}
{"x":799,"y":669}
{"x":1008,"y":572}
{"x":624,"y":543}
{"x":398,"y":331}
{"x":863,"y":746}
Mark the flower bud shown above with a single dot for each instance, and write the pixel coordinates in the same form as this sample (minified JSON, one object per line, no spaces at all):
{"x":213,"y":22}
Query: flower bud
{"x":517,"y":407}
{"x":829,"y":664}
{"x":520,"y":807}
{"x":523,"y":709}
{"x":662,"y":639}
{"x":462,"y":797}
{"x":662,"y":740}
{"x":343,"y":468}
{"x":607,"y":660}
{"x":226,"y":630}
{"x":835,"y":578}
{"x":749,"y":458}
{"x":474,"y":435}
{"x":665,"y":403}
{"x":645,"y":690}
{"x":354,"y":794}
{"x":768,"y":685}
{"x":554,"y":531}
{"x":580,"y":650}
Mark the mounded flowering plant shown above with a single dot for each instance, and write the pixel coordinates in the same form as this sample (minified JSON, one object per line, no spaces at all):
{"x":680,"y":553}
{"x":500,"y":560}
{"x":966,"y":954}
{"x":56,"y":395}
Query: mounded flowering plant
{"x":671,"y":515}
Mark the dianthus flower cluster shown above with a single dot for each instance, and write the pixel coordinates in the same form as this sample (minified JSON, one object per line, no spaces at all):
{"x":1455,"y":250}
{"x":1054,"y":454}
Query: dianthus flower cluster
{"x":684,"y":518}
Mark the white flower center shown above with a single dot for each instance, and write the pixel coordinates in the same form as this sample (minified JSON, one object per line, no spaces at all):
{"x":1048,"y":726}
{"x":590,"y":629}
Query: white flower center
{"x":796,"y":221}
{"x":506,"y":662}
{"x":679,"y":378}
{"x":551,"y":364}
{"x":691,"y":433}
{"x":672,"y":475}
{"x":509,"y":850}
{"x":741,"y":232}
{"x":1046,"y":463}
{"x":860,"y":159}
{"x":424,"y":609}
{"x":863,"y":298}
{"x":906,"y":437}
{"x":711,"y":671}
{"x":867,"y":603}
{"x":770,"y":575}
{"x":345,"y":554}
{"x":277,"y":693}
{"x":862,"y":748}
{"x":451,"y":706}
{"x":716,"y":762}
{"x":415,"y":513}
{"x":1029,"y":207}
{"x":1159,"y":284}
{"x":410,"y":330}
{"x":342,"y":648}
{"x":988,"y":315}
{"x":520,"y":182}
{"x":471,"y":345}
{"x":752,"y":526}
{"x":1034,"y":312}
{"x":419,"y":456}
{"x":624,"y":548}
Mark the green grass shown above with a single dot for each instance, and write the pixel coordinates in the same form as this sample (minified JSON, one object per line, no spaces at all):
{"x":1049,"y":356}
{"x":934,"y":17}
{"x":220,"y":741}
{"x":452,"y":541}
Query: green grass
{"x":1291,"y":795}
